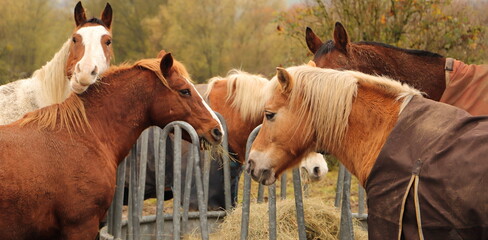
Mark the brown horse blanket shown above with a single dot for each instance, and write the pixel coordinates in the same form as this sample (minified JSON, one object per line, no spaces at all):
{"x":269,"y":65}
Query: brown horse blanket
{"x":466,"y":86}
{"x":446,"y":150}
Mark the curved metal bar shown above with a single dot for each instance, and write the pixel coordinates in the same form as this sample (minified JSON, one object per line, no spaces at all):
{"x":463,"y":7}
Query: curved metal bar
{"x":225,"y":162}
{"x":246,"y":198}
{"x":297,"y":189}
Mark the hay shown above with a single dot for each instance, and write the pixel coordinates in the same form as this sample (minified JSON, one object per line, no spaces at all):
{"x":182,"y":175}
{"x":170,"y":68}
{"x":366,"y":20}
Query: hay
{"x":321,"y":222}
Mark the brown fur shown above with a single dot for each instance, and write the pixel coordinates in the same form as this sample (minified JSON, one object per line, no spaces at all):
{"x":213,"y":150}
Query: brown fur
{"x":56,"y":185}
{"x":420,"y":69}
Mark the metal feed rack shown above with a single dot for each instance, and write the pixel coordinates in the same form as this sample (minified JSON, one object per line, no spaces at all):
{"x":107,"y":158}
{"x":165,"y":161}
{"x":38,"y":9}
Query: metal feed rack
{"x":180,"y":217}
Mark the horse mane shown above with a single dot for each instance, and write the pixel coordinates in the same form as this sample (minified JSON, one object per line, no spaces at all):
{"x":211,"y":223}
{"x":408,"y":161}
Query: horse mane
{"x":68,"y":115}
{"x":71,"y":114}
{"x":420,"y":53}
{"x":333,"y":92}
{"x":244,"y":93}
{"x":329,"y":45}
{"x":52,"y":77}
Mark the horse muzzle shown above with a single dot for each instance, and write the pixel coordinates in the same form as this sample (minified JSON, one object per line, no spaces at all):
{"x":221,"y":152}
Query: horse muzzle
{"x":261,"y":174}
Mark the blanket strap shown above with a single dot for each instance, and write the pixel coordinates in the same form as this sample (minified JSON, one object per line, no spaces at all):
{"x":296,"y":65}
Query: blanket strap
{"x":448,"y":68}
{"x":414,"y":181}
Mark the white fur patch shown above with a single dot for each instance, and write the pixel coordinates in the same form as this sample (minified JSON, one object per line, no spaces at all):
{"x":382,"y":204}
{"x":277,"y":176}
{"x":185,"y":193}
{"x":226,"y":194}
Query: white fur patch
{"x":94,"y":54}
{"x":208,"y":108}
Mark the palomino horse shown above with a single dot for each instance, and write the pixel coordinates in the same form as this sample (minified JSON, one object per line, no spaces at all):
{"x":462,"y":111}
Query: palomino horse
{"x":442,"y":79}
{"x":240,"y":98}
{"x":81,"y":60}
{"x":422,"y":162}
{"x":59,"y":163}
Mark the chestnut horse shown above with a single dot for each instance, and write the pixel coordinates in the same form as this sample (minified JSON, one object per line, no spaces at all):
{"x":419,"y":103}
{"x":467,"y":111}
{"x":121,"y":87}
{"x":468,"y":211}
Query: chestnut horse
{"x":467,"y":85}
{"x":82,"y":58}
{"x":59,"y":163}
{"x":422,"y":162}
{"x":240,"y":98}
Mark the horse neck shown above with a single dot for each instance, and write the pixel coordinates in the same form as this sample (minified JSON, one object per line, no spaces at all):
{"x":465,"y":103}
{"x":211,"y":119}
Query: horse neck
{"x":117,"y":111}
{"x":51,"y":78}
{"x":422,"y":72}
{"x":372,"y":118}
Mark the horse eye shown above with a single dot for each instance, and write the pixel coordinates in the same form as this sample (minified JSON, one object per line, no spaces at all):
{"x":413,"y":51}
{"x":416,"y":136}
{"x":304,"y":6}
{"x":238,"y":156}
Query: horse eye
{"x":185,"y":92}
{"x":269,"y":115}
{"x":108,"y":42}
{"x":74,"y":40}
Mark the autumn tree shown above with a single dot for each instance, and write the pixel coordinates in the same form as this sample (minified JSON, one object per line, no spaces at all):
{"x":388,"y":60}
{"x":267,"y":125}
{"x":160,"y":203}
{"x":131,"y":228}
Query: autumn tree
{"x":448,"y":27}
{"x":30,"y":33}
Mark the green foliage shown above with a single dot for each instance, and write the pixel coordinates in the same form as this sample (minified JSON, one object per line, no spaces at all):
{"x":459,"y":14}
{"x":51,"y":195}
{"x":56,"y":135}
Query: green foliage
{"x":451,"y":28}
{"x":30,"y":34}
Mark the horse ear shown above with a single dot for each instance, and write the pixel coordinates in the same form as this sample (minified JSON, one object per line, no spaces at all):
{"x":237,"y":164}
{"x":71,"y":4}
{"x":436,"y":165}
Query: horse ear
{"x":107,"y":15}
{"x":80,"y":16}
{"x":313,"y":42}
{"x":311,"y":63}
{"x":161,"y":54}
{"x":284,"y":79}
{"x":166,"y":64}
{"x":341,"y":39}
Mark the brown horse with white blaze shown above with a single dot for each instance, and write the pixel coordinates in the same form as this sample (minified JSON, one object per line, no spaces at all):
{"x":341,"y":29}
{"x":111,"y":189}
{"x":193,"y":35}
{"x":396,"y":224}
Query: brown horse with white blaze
{"x":404,"y":149}
{"x":58,"y":164}
{"x":77,"y":65}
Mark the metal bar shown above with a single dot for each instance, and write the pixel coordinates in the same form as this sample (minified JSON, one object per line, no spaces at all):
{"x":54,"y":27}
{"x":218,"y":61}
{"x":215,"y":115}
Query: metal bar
{"x":225,"y":162}
{"x":283,"y":186}
{"x":272,"y":211}
{"x":339,"y":185}
{"x":260,"y":193}
{"x":297,"y":189}
{"x":246,"y":198}
{"x":177,"y":182}
{"x":188,"y":181}
{"x":142,"y":171}
{"x":160,"y":177}
{"x":361,"y":194}
{"x":118,"y":200}
{"x":346,"y":228}
{"x":134,"y":225}
{"x":206,"y":174}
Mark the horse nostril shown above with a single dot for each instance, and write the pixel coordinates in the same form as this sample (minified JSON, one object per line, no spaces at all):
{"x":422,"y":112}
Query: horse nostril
{"x":265,"y":174}
{"x":78,"y":69}
{"x":95,"y":71}
{"x":217,"y":134}
{"x":316,"y":171}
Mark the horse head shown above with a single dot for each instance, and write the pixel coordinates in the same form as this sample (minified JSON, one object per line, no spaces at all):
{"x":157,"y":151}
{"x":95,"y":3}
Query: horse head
{"x":184,"y":102}
{"x":90,"y":50}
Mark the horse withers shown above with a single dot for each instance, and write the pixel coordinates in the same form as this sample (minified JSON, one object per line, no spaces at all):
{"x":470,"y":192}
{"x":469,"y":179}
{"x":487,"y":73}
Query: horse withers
{"x":79,"y":63}
{"x":420,"y":161}
{"x":59,"y":163}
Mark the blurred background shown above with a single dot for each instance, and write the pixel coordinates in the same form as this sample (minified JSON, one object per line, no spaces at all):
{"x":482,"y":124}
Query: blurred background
{"x":213,"y":36}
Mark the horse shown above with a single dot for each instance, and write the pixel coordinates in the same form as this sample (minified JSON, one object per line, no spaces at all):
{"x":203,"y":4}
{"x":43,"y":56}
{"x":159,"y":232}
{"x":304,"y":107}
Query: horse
{"x":59,"y":163}
{"x":239,"y":97}
{"x":313,"y":167}
{"x":442,"y":79}
{"x":420,"y":161}
{"x":79,"y":63}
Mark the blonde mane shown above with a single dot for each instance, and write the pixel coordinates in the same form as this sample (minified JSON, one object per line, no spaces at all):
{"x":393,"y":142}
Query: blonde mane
{"x":333,"y":92}
{"x":245,"y":92}
{"x":68,"y":115}
{"x":53,"y":83}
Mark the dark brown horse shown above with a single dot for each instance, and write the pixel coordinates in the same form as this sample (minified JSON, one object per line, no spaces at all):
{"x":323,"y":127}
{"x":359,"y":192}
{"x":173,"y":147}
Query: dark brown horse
{"x":58,"y":164}
{"x":467,"y":85}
